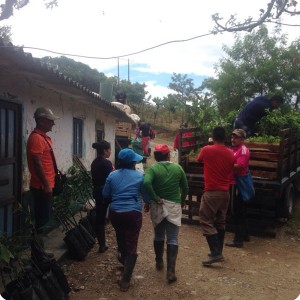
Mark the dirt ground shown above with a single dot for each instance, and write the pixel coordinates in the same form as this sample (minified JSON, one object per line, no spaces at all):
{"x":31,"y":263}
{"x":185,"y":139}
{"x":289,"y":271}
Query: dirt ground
{"x":266,"y":268}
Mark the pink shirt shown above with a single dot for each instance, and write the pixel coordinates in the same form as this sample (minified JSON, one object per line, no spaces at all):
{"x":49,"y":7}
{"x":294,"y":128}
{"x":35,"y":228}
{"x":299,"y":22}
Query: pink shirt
{"x":242,"y":156}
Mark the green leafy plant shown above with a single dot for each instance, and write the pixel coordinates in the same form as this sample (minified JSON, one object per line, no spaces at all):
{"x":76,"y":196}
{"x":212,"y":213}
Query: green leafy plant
{"x":5,"y":255}
{"x":270,"y":139}
{"x":279,"y":119}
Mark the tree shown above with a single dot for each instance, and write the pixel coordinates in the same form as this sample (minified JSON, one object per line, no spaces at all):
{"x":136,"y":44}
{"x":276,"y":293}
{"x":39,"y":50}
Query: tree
{"x":184,"y":87}
{"x":78,"y":71}
{"x":5,"y":34}
{"x":272,"y":13}
{"x":256,"y":65}
{"x":7,"y":9}
{"x":91,"y":78}
{"x":158,"y":103}
{"x":136,"y":94}
{"x":171,"y":103}
{"x":290,"y":78}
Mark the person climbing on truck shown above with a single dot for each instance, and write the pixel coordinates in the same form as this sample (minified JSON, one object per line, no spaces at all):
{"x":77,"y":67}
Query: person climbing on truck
{"x":254,"y":111}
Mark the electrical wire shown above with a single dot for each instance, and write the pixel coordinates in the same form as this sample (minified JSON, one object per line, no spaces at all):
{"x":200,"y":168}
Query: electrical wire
{"x":137,"y":52}
{"x":111,"y":57}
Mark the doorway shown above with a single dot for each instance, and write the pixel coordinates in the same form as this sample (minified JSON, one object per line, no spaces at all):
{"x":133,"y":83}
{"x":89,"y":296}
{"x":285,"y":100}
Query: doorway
{"x":10,"y":163}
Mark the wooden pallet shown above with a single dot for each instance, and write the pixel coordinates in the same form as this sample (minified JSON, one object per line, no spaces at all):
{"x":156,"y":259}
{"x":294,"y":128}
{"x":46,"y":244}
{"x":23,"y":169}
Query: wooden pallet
{"x":123,"y":129}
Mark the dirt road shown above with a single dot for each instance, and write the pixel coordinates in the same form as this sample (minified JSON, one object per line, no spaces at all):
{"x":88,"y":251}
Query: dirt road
{"x":264,"y":269}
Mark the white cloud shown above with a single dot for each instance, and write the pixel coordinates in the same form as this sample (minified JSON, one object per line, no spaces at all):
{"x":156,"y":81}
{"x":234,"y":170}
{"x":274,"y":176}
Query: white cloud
{"x":108,"y":28}
{"x":156,"y":90}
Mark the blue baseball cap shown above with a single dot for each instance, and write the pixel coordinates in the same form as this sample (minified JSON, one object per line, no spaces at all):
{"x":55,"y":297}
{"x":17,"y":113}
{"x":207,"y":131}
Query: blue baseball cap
{"x":127,"y":156}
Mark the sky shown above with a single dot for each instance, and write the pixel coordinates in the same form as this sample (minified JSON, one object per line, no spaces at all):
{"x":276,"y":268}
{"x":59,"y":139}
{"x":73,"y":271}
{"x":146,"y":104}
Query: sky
{"x":110,"y":28}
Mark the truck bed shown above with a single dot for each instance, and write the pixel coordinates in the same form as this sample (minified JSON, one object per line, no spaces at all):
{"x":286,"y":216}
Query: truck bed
{"x":273,"y":167}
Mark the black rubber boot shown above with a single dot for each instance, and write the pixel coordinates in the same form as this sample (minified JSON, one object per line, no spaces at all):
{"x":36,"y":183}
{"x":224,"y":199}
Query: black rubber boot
{"x":172,"y":251}
{"x":221,"y":236}
{"x":129,"y":265}
{"x":235,"y":244}
{"x":159,"y":252}
{"x":121,"y":249}
{"x":246,"y":232}
{"x":101,"y":239}
{"x":215,"y":250}
{"x":238,"y":241}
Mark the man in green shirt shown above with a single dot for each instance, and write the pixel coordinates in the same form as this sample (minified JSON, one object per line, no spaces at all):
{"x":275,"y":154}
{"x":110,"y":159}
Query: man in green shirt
{"x":167,"y":187}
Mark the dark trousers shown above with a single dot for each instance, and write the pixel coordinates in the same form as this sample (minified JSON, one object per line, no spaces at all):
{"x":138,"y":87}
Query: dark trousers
{"x":42,"y":207}
{"x":127,"y":226}
{"x":250,"y":130}
{"x":101,"y":210}
{"x":239,"y":218}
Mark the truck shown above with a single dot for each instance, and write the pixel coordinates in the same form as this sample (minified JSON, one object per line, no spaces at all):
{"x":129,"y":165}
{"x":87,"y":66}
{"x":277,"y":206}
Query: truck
{"x":275,"y":170}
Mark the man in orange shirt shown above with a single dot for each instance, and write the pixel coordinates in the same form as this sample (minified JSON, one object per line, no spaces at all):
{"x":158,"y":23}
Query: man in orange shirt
{"x":40,"y":165}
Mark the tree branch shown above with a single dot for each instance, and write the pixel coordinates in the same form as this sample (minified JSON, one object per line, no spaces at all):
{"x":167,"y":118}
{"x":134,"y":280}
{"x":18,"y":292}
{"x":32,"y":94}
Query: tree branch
{"x":7,"y":9}
{"x":281,"y":6}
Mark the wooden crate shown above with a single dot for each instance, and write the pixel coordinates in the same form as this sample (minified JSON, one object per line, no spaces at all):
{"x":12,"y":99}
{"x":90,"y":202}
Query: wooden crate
{"x":275,"y":161}
{"x":123,"y":129}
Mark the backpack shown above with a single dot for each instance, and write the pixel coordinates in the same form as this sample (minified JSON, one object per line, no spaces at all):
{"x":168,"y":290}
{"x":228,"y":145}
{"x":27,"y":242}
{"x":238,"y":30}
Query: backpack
{"x":152,"y":134}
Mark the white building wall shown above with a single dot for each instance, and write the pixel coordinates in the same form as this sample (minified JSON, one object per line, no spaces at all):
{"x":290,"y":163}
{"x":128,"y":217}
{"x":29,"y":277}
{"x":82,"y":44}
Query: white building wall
{"x":62,"y":131}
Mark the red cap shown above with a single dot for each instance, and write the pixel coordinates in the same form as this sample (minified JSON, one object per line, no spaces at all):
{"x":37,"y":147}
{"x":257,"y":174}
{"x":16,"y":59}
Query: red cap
{"x":164,"y":149}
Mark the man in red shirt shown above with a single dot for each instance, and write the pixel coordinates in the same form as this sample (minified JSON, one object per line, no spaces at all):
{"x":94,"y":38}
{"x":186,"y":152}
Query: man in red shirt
{"x":185,"y":135}
{"x":218,"y":163}
{"x":40,"y":165}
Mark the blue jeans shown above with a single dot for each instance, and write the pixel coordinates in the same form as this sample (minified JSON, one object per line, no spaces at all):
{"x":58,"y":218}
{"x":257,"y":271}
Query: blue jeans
{"x":166,"y":228}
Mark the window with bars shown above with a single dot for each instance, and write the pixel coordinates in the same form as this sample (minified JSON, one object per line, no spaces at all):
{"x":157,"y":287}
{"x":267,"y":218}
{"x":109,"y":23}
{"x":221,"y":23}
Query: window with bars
{"x":77,"y":137}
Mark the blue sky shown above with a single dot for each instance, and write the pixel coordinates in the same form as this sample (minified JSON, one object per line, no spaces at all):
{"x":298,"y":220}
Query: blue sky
{"x":138,"y":73}
{"x":159,"y":37}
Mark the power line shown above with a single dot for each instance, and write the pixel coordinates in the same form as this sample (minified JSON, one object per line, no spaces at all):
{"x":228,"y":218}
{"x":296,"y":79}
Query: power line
{"x":110,"y":57}
{"x":140,"y":51}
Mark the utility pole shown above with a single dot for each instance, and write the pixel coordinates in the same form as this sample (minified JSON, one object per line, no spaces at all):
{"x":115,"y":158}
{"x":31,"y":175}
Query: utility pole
{"x":128,"y":71}
{"x":118,"y":71}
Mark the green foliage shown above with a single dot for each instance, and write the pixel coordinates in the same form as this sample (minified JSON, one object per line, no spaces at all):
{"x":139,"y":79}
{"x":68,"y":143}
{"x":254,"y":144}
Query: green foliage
{"x":77,"y":191}
{"x":279,"y":119}
{"x":135,"y":94}
{"x":91,"y":79}
{"x":209,"y":116}
{"x":184,"y":87}
{"x":78,"y":71}
{"x":5,"y":255}
{"x":270,"y":139}
{"x":257,"y":64}
{"x":5,"y":34}
{"x":7,"y":7}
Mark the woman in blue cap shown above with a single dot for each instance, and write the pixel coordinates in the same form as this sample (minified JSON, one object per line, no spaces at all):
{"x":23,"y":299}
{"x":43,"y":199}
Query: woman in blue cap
{"x":125,"y":188}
